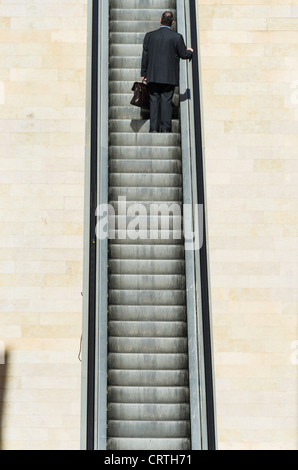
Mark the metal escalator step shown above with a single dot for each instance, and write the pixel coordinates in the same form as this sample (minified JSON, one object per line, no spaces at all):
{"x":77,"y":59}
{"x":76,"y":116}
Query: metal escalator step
{"x":133,"y":113}
{"x":138,"y":14}
{"x":146,"y":297}
{"x":144,"y":180}
{"x":147,"y":429}
{"x":148,"y":412}
{"x":128,"y":112}
{"x":142,"y":312}
{"x":131,"y":50}
{"x":126,"y":75}
{"x":147,"y":329}
{"x":139,"y":266}
{"x":131,"y":239}
{"x":166,"y":444}
{"x":147,"y":282}
{"x":156,"y":195}
{"x":145,"y":166}
{"x":163,"y":4}
{"x":152,"y":227}
{"x":140,"y":139}
{"x":136,"y":125}
{"x":148,"y":345}
{"x":127,"y":38}
{"x":145,"y":152}
{"x":146,"y":378}
{"x":148,"y":361}
{"x":124,"y":207}
{"x":161,"y":395}
{"x":120,"y":62}
{"x":146,"y":253}
{"x":125,"y":26}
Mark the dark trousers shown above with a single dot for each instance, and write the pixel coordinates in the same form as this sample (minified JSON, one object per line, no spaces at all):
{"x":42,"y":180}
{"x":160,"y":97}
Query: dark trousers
{"x":161,"y":106}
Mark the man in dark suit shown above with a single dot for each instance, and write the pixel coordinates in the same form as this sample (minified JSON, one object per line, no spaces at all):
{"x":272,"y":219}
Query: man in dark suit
{"x":162,"y":52}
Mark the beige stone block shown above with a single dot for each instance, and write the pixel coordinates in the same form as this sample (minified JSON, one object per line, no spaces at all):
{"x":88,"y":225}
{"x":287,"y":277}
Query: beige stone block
{"x":13,"y":318}
{"x":37,"y":356}
{"x":10,"y":332}
{"x":63,"y":9}
{"x":281,"y":50}
{"x":31,"y":138}
{"x":36,"y":422}
{"x":46,"y":306}
{"x":74,"y":217}
{"x":247,"y":89}
{"x":62,"y":163}
{"x":247,"y":127}
{"x":43,"y":408}
{"x":214,"y":127}
{"x":247,"y":50}
{"x":63,"y":61}
{"x":74,"y":203}
{"x":10,"y":10}
{"x":69,"y":36}
{"x":71,"y":316}
{"x":25,"y":100}
{"x":52,"y":280}
{"x":67,"y":190}
{"x":273,"y":37}
{"x":283,"y":24}
{"x":50,"y":383}
{"x":76,"y":22}
{"x":240,"y":24}
{"x":65,"y":434}
{"x":7,"y":267}
{"x":262,"y":11}
{"x":50,"y":332}
{"x":218,"y":11}
{"x":65,"y":138}
{"x":25,"y":36}
{"x":221,"y":50}
{"x":73,"y":228}
{"x":19,"y":437}
{"x":74,"y":74}
{"x":44,"y":293}
{"x":5,"y":23}
{"x":71,"y":421}
{"x":40,"y":267}
{"x":34,"y":23}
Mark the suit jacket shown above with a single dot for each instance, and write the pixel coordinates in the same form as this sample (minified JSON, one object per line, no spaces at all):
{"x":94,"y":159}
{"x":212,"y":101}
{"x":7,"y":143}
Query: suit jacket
{"x":162,"y":52}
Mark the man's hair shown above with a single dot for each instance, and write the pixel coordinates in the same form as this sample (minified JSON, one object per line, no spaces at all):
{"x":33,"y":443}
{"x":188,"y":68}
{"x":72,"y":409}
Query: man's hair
{"x":167,"y":18}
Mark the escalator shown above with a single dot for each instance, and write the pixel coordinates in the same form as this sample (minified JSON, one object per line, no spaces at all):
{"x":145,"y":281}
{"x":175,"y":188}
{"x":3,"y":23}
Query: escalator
{"x":148,"y":395}
{"x":147,"y":379}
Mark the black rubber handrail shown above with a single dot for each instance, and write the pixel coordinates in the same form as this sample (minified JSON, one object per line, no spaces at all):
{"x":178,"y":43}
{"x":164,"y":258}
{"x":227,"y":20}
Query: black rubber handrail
{"x":93,"y":245}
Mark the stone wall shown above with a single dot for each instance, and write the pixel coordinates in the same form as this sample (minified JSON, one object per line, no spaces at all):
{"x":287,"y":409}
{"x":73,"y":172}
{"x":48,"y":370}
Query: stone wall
{"x":42,"y":124}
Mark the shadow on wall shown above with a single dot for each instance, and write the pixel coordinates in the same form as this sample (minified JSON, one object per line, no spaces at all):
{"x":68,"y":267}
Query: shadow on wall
{"x":3,"y":377}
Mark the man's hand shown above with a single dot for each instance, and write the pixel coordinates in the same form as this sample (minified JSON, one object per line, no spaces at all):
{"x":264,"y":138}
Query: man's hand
{"x":144,"y":79}
{"x":190,"y":49}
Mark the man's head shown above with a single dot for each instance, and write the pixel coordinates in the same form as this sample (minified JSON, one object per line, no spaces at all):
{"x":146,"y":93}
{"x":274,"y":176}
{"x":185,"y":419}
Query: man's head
{"x":167,"y":19}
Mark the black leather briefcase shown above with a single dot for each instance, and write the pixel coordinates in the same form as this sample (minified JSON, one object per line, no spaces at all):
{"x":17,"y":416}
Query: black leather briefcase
{"x":141,"y":95}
